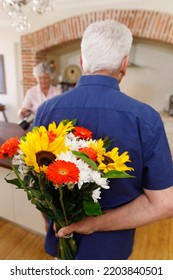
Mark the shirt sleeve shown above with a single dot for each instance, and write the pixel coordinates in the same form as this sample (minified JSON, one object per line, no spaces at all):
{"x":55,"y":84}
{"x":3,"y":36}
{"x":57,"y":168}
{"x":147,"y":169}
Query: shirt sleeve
{"x":27,"y":102}
{"x":158,"y":165}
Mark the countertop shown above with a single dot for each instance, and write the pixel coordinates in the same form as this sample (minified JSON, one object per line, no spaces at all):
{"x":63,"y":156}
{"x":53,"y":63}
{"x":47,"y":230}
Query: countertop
{"x":8,"y":130}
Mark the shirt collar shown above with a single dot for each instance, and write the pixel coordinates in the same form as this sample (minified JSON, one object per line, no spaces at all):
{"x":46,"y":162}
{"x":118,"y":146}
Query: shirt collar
{"x":98,"y":79}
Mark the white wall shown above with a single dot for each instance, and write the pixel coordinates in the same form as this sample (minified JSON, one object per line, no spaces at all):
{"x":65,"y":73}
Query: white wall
{"x":151,"y":79}
{"x":10,"y":49}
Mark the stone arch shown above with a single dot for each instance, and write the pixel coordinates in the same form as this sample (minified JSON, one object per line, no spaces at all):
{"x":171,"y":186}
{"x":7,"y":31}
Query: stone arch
{"x":144,"y":24}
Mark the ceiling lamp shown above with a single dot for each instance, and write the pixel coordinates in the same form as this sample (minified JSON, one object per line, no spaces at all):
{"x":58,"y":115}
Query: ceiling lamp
{"x":19,"y":20}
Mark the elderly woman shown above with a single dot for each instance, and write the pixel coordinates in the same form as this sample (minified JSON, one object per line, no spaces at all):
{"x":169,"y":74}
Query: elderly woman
{"x":41,"y":92}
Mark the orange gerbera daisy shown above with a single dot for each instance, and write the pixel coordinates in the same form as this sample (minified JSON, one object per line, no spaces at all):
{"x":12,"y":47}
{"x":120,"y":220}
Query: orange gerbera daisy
{"x":89,"y":152}
{"x":9,"y":148}
{"x":62,"y":172}
{"x":82,"y":132}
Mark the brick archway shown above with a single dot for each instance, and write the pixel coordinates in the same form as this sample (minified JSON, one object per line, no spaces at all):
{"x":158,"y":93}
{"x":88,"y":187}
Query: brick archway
{"x":143,"y":24}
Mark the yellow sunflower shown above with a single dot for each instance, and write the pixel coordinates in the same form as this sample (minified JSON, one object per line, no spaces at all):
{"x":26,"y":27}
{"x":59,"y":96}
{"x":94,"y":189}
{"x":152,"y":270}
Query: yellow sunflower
{"x":98,"y":147}
{"x":41,"y":143}
{"x":113,"y":161}
{"x":62,"y":129}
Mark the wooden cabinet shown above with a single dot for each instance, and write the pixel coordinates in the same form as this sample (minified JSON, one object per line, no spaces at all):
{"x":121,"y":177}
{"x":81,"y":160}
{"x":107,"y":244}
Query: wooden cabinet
{"x":14,"y":205}
{"x":6,"y":197}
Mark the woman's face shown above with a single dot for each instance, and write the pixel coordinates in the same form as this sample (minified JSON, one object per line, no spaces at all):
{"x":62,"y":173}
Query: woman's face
{"x":44,"y":81}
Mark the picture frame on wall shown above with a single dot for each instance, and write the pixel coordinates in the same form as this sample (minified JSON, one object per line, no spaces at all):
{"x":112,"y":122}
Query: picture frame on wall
{"x":2,"y":76}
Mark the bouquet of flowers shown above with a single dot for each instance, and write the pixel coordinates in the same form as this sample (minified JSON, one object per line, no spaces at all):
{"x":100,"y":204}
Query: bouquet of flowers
{"x":62,"y":169}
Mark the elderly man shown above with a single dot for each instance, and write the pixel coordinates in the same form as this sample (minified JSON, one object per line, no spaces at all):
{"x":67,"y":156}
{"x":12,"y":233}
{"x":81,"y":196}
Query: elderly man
{"x":98,"y":104}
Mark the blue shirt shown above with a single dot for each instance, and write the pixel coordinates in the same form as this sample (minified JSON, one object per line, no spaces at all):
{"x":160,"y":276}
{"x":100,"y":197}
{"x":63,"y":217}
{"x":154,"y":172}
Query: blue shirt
{"x":99,"y":105}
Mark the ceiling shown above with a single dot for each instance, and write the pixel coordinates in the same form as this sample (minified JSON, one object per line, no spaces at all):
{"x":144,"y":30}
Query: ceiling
{"x":68,"y":4}
{"x":3,"y":14}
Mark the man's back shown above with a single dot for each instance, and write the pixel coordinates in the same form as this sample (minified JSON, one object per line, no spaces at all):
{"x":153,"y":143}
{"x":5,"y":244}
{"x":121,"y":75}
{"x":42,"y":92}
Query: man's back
{"x":99,"y":105}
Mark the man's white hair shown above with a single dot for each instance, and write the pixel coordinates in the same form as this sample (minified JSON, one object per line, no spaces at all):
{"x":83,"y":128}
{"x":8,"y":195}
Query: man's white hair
{"x":42,"y":68}
{"x":104,"y":45}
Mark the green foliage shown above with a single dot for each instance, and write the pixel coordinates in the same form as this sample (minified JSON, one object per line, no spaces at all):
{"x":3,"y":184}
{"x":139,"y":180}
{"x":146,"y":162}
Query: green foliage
{"x":86,"y":159}
{"x":107,"y":142}
{"x":117,"y":174}
{"x":91,"y":208}
{"x":74,"y":121}
{"x":15,"y":182}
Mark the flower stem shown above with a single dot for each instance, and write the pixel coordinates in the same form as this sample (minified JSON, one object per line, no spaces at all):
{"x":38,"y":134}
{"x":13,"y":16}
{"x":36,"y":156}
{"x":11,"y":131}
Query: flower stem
{"x":62,"y":205}
{"x":49,"y":202}
{"x":18,"y":177}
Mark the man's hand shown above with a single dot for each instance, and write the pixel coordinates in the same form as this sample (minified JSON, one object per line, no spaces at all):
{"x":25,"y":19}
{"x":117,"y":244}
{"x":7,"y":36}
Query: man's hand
{"x":86,"y":226}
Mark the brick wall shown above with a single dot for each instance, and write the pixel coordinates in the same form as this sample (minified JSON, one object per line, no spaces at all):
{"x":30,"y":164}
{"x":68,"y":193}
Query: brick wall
{"x":143,"y":24}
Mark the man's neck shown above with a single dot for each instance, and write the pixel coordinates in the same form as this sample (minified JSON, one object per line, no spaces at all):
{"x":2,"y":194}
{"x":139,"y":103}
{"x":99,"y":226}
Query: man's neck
{"x":116,"y":75}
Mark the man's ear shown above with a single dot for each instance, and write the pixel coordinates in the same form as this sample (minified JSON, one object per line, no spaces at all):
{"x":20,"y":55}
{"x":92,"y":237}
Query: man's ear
{"x":81,"y":62}
{"x":124,"y":65}
{"x":122,"y":69}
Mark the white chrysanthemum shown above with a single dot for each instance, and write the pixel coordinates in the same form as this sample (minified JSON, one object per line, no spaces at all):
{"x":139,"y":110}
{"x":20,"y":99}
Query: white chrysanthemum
{"x":84,"y":176}
{"x":23,"y":169}
{"x":68,"y":156}
{"x":102,"y":182}
{"x":96,"y":194}
{"x":17,"y":159}
{"x":74,"y":142}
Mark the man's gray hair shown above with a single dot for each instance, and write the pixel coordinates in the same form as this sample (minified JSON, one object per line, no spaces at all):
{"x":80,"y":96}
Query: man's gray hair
{"x":104,"y":45}
{"x":42,"y":68}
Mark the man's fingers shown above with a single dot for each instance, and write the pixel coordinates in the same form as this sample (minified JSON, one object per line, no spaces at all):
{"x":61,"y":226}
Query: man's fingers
{"x":64,"y":231}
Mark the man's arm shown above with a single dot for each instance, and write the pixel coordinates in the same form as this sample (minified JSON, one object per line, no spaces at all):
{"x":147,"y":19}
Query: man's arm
{"x":152,"y":206}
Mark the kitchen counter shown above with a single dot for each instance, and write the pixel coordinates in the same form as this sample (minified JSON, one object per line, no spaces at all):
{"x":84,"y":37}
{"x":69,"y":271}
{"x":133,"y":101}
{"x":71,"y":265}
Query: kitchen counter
{"x":9,"y":130}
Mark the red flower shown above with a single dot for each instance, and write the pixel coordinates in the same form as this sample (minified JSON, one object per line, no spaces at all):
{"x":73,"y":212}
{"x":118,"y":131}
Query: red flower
{"x":89,"y":152}
{"x":82,"y":132}
{"x":9,"y":148}
{"x":52,"y":136}
{"x":62,"y":172}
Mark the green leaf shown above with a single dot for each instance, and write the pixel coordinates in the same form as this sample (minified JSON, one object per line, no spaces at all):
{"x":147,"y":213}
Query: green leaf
{"x":15,"y":182}
{"x":59,"y":215}
{"x":107,"y":142}
{"x":86,"y":159}
{"x":35,"y":193}
{"x":23,"y":138}
{"x":74,"y":121}
{"x":117,"y":174}
{"x":35,"y":129}
{"x":92,"y":208}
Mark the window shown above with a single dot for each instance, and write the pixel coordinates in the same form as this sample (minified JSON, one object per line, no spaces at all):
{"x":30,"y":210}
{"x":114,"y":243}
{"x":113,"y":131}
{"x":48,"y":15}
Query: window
{"x":2,"y":76}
